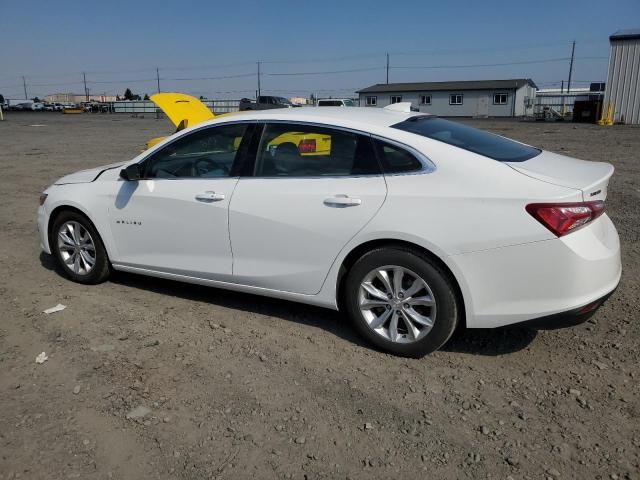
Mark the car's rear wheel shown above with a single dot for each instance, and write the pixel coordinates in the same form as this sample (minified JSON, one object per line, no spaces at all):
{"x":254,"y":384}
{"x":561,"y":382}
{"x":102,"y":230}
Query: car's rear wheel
{"x":401,"y":301}
{"x":79,"y":249}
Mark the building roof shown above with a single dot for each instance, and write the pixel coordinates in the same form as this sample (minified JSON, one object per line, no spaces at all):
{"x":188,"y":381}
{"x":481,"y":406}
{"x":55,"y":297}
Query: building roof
{"x":629,"y":34}
{"x":458,"y":85}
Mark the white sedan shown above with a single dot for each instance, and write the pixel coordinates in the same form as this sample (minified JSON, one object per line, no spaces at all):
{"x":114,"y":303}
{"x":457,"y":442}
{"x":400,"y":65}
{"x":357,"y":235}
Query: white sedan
{"x":410,"y":224}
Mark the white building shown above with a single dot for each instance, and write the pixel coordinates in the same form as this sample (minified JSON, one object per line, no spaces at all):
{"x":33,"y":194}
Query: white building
{"x":623,"y":80}
{"x":474,"y":98}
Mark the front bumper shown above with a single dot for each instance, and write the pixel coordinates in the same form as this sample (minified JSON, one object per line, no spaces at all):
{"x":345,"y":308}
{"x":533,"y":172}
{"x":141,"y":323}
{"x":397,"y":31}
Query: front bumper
{"x":509,"y":285}
{"x":43,"y":229}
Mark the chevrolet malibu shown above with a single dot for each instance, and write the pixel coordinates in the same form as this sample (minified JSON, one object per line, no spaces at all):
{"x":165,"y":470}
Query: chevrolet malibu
{"x":410,"y":224}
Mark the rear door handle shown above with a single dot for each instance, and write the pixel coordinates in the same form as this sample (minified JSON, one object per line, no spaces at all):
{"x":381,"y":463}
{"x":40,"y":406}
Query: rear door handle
{"x":209,"y":197}
{"x":342,"y":201}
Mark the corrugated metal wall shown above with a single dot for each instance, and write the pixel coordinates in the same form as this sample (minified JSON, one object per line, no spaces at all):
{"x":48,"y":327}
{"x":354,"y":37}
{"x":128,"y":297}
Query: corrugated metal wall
{"x":623,"y":81}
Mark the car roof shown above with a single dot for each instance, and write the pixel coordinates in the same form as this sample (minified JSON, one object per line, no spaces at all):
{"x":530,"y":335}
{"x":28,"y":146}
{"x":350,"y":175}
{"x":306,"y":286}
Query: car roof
{"x":363,"y":116}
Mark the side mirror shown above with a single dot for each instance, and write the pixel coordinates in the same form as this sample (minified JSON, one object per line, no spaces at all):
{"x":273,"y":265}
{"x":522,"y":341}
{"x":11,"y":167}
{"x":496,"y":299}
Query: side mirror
{"x":131,"y":173}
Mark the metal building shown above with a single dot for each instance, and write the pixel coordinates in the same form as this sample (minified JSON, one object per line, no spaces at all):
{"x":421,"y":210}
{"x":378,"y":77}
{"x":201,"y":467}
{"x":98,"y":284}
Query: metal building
{"x":623,"y":80}
{"x":475,"y":98}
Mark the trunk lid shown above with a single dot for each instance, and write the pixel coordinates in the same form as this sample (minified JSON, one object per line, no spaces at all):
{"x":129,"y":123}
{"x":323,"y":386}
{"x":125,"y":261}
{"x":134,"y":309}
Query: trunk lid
{"x":592,"y":178}
{"x":183,"y":110}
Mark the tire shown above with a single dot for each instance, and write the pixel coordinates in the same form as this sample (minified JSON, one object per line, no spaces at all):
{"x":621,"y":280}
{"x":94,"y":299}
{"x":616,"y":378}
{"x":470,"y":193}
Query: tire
{"x":431,"y":299}
{"x":67,"y":247}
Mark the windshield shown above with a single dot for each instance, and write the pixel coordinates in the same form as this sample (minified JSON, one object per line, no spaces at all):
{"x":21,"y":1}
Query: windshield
{"x":471,"y":139}
{"x":349,"y":103}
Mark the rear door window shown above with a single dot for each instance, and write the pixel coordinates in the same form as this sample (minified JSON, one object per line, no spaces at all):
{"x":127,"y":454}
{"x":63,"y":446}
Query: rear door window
{"x":299,"y":150}
{"x":471,"y":139}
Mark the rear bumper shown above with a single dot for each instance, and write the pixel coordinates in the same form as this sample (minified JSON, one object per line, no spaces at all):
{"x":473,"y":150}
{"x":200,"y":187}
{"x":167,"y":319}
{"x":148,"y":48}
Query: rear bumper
{"x":566,"y":319}
{"x":525,"y":282}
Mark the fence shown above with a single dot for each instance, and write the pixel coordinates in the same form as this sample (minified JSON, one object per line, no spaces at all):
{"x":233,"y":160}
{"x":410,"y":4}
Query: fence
{"x":146,"y":106}
{"x":561,"y":103}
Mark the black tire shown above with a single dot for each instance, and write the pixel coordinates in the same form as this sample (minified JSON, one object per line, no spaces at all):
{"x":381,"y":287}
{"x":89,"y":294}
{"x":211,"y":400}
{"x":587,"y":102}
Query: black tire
{"x":439,"y":281}
{"x":101,"y":268}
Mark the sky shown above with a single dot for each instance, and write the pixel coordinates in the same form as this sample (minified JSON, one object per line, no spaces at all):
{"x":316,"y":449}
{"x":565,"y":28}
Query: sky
{"x":329,"y":48}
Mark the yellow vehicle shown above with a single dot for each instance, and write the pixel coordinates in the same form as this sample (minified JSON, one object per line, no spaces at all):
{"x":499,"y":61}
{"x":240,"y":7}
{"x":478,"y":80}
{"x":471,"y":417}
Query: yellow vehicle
{"x":186,"y":111}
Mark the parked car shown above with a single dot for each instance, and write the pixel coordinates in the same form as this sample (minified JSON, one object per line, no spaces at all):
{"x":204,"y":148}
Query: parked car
{"x":336,"y":102}
{"x":20,"y":105}
{"x":37,"y":106}
{"x":49,"y":107}
{"x":265,"y":102}
{"x":58,"y":107}
{"x":410,"y":224}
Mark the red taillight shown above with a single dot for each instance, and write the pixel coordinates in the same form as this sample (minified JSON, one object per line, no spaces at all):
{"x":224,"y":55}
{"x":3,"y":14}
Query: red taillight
{"x":308,"y":145}
{"x":563,"y":218}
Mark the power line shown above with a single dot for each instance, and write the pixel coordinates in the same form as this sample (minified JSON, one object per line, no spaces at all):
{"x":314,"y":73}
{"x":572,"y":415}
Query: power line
{"x":242,"y":75}
{"x":284,"y":74}
{"x":480,"y":65}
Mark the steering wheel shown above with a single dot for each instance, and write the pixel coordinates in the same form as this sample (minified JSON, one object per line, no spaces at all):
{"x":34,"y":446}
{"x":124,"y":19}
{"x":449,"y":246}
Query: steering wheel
{"x":204,"y":165}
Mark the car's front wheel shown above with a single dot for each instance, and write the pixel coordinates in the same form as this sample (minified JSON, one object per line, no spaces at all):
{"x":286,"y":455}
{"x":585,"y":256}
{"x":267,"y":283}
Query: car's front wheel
{"x":401,"y":301}
{"x":79,"y":249}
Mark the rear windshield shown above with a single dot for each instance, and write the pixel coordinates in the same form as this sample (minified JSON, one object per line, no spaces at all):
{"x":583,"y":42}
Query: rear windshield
{"x":477,"y":141}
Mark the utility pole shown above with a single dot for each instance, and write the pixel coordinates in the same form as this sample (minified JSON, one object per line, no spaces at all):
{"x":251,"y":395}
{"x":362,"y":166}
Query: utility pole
{"x":158,"y":78}
{"x":86,"y":92}
{"x":257,"y":99}
{"x":24,"y":85}
{"x":573,"y":50}
{"x":387,"y":69}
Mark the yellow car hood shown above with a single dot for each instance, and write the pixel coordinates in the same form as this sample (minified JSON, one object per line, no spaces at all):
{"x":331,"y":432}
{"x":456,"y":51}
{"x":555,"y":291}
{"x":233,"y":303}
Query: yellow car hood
{"x":183,"y":110}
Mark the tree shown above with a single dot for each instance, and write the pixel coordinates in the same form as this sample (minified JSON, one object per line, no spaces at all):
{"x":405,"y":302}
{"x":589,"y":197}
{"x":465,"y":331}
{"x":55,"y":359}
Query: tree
{"x":146,"y":96}
{"x":1,"y":98}
{"x":128,"y":95}
{"x":36,"y":100}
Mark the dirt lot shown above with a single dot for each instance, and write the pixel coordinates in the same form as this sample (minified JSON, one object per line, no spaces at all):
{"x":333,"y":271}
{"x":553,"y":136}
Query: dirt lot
{"x":239,"y":386}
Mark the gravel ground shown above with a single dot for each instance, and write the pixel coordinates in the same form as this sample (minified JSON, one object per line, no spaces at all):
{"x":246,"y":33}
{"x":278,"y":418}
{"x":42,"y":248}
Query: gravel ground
{"x":154,"y":379}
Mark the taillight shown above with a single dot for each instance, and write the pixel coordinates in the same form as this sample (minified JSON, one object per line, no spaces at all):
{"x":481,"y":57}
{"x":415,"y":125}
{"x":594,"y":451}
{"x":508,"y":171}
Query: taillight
{"x":43,"y":198}
{"x":563,"y":218}
{"x":308,"y":145}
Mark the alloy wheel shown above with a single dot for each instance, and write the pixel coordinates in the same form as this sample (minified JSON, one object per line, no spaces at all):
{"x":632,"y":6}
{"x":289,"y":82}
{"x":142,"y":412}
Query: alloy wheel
{"x":77,"y":250}
{"x":397,"y":304}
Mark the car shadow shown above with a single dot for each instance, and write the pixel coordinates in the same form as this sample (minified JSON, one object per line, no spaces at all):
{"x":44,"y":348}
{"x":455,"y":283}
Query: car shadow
{"x":488,"y":342}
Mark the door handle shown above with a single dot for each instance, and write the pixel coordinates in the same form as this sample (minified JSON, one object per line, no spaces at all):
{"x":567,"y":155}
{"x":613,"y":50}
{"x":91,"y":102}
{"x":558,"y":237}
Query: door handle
{"x":210,"y":197}
{"x":342,"y":201}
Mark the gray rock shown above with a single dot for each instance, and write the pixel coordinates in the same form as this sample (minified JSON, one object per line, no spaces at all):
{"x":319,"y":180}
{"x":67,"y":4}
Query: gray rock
{"x":300,"y":440}
{"x":76,"y":390}
{"x":138,"y":412}
{"x":554,"y":473}
{"x":103,"y":348}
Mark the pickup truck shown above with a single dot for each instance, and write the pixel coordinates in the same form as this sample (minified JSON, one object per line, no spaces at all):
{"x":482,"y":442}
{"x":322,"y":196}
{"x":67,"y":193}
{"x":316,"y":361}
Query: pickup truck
{"x":265,"y":102}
